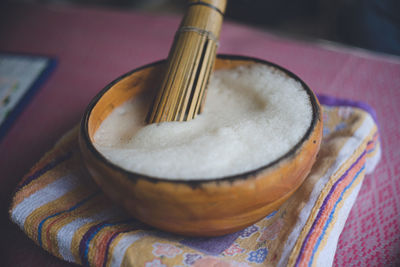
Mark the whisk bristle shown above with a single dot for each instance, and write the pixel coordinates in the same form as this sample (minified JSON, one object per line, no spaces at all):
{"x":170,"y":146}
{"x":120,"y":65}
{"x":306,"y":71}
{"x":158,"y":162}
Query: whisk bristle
{"x":190,"y":62}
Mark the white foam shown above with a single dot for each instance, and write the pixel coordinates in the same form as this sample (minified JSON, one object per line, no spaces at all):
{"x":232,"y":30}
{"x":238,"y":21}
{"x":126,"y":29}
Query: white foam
{"x":252,"y":116}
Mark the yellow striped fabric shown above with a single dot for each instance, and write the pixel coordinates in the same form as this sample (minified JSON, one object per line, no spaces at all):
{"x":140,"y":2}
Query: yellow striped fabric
{"x":59,"y":207}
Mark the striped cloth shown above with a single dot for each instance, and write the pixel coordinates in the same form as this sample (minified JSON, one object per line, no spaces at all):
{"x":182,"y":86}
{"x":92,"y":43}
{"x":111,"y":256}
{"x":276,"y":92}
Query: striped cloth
{"x":58,"y":206}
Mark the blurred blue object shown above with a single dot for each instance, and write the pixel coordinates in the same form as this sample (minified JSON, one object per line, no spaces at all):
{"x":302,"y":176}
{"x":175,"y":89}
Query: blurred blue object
{"x":372,"y":24}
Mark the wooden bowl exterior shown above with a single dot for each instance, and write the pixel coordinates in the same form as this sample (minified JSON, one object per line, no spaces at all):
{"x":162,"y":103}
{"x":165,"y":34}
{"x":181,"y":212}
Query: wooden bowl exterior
{"x":195,"y":208}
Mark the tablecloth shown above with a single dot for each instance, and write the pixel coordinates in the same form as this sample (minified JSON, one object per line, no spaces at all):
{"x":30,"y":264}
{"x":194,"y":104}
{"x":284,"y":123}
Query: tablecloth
{"x":59,"y":207}
{"x":94,"y":46}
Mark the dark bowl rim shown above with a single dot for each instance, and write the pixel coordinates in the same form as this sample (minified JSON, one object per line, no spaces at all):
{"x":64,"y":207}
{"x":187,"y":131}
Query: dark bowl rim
{"x":84,"y":132}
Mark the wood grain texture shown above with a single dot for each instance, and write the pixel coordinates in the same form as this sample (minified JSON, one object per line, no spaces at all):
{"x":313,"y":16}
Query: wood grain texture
{"x":190,"y":61}
{"x":195,"y":208}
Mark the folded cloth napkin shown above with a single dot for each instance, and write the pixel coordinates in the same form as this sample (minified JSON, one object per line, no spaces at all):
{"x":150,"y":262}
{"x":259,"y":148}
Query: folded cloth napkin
{"x":58,"y":206}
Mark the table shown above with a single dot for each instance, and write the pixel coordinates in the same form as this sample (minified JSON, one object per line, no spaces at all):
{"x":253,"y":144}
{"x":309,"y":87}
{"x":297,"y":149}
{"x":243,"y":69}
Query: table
{"x":94,"y":46}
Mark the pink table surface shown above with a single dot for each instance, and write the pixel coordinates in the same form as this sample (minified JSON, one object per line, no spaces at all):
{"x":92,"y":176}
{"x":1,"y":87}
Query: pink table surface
{"x":94,"y":46}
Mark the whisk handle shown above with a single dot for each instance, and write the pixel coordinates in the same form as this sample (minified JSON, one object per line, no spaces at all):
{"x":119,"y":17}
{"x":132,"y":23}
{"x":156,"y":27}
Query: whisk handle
{"x":190,"y":62}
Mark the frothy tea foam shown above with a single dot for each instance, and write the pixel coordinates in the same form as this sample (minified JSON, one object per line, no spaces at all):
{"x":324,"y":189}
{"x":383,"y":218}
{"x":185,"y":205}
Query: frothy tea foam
{"x":252,"y":116}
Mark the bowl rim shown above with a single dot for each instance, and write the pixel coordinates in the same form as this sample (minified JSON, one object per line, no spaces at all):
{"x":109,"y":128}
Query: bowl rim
{"x":84,"y":132}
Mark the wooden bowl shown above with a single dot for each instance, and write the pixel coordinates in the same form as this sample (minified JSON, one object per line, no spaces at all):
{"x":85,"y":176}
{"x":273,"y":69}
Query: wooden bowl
{"x":196,"y":207}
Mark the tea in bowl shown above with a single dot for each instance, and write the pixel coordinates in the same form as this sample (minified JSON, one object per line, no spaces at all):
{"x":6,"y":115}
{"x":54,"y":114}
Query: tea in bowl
{"x":249,"y":150}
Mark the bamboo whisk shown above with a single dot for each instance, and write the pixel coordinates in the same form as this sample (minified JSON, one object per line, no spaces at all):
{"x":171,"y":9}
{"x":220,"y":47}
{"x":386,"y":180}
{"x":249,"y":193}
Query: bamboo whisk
{"x":190,"y":62}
